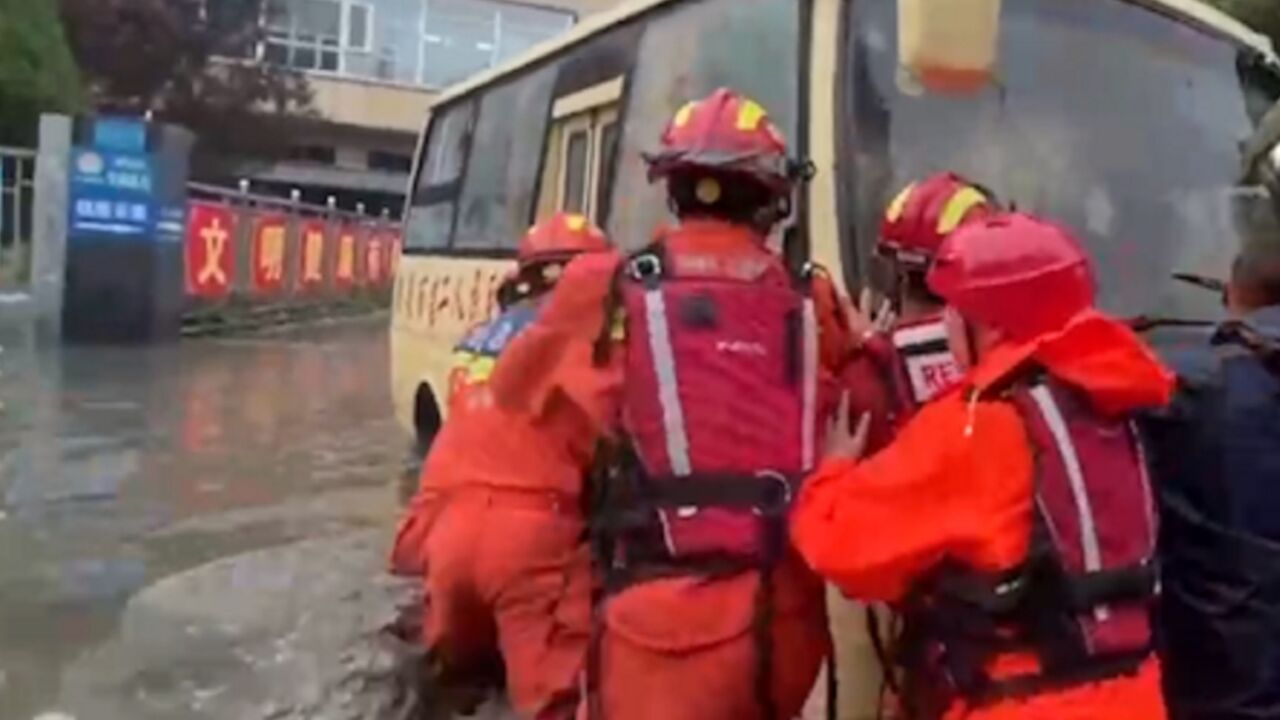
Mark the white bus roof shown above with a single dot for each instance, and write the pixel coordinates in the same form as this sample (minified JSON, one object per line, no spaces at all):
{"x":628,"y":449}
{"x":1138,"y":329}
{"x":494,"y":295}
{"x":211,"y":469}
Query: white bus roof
{"x":1194,"y":10}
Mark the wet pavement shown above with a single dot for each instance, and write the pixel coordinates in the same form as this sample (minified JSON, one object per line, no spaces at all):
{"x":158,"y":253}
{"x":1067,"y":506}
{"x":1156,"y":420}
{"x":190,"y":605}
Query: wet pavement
{"x":123,"y":466}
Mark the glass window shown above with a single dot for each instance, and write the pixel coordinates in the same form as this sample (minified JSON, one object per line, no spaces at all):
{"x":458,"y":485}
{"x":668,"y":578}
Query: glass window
{"x":429,"y":226}
{"x":320,"y":19}
{"x":751,"y":45}
{"x":498,"y":191}
{"x":389,"y":161}
{"x":464,"y":37}
{"x":608,"y":146}
{"x":358,"y":26}
{"x":447,"y":146}
{"x":523,"y":27}
{"x":576,"y":164}
{"x":308,"y":34}
{"x":458,"y":41}
{"x":430,"y":218}
{"x":395,"y":43}
{"x":1115,"y":119}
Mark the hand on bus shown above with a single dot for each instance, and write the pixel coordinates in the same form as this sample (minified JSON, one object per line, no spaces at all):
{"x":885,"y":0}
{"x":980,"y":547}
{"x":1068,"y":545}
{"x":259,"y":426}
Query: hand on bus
{"x":867,"y":318}
{"x":843,"y":441}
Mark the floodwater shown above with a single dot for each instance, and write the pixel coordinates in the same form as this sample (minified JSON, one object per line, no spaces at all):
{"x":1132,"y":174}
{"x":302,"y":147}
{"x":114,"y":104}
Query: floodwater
{"x":120,"y":466}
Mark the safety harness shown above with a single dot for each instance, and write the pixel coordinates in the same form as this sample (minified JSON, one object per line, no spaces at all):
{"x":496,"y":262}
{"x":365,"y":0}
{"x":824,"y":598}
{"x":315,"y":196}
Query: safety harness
{"x":682,"y":493}
{"x":1079,"y":602}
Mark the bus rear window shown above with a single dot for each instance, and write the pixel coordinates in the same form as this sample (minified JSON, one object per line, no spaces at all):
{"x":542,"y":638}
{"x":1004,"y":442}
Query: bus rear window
{"x":497,"y":198}
{"x":434,"y":197}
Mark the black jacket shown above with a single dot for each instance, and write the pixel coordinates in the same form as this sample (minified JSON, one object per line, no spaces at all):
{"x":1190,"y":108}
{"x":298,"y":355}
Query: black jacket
{"x":1215,"y":455}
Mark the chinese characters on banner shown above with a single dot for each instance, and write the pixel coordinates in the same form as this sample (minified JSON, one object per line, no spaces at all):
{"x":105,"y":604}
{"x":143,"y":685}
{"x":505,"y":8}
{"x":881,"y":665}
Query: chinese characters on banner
{"x":374,"y":259}
{"x":269,"y":234}
{"x":285,"y":254}
{"x":311,"y":265}
{"x":210,"y":251}
{"x":344,"y":269}
{"x":392,"y":251}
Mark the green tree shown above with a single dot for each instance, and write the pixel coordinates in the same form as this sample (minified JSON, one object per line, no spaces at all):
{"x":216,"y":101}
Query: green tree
{"x":37,"y":72}
{"x":189,"y":62}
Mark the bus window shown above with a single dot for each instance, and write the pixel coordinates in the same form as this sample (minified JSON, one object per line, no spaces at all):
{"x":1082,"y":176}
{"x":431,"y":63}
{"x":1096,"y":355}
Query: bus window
{"x":434,"y":197}
{"x":574,"y":167}
{"x":447,"y":146}
{"x":1116,"y":119}
{"x":502,"y":170}
{"x":688,"y":51}
{"x":575,"y":154}
{"x":606,"y":146}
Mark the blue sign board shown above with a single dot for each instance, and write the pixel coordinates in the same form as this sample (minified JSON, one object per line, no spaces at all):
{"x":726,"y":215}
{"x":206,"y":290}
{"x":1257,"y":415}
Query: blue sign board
{"x":113,"y":181}
{"x":120,"y":134}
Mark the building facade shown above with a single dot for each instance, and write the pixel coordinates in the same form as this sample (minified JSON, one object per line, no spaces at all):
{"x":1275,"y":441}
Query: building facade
{"x":374,"y":67}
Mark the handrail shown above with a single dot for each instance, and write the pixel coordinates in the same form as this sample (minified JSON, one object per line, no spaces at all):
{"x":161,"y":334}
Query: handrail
{"x":235,"y":196}
{"x":17,"y":152}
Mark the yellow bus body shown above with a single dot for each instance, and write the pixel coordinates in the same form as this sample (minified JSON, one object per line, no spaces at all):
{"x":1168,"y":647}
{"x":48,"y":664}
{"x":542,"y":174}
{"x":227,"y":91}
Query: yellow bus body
{"x":1188,"y":50}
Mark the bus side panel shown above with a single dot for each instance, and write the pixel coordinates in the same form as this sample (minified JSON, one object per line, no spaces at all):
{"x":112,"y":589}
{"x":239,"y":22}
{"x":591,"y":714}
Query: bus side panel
{"x":437,"y":299}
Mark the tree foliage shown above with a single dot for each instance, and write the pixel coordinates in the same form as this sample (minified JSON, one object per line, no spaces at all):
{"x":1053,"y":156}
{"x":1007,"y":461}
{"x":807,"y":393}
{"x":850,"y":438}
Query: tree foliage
{"x":37,"y":72}
{"x":188,"y":62}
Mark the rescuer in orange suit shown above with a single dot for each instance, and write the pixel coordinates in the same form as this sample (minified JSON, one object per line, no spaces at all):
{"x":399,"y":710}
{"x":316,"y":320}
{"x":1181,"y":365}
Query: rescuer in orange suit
{"x":907,"y":364}
{"x":677,"y":638}
{"x":1010,"y":522}
{"x":496,"y":528}
{"x":904,"y":362}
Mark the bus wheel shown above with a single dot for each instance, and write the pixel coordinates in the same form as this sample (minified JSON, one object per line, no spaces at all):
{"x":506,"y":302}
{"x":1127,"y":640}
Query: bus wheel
{"x":426,"y":419}
{"x":426,"y":423}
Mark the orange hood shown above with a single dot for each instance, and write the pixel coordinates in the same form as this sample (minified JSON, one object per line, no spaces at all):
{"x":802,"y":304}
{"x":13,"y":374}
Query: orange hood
{"x":1096,"y":354}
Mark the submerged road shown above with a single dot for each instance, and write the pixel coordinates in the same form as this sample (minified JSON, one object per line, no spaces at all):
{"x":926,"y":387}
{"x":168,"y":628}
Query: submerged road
{"x":120,"y":467}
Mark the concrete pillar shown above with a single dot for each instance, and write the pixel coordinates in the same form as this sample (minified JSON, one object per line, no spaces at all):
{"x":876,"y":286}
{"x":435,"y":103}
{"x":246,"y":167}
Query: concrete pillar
{"x":49,"y":224}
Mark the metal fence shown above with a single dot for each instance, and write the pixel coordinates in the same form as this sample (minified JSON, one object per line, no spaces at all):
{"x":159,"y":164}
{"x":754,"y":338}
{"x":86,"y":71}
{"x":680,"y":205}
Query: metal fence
{"x":17,"y":194}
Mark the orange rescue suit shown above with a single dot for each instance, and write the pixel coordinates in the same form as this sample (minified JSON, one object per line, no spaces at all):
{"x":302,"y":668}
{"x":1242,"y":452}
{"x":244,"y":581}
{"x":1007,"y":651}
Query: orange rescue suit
{"x":677,"y":647}
{"x":497,"y":531}
{"x":957,"y":483}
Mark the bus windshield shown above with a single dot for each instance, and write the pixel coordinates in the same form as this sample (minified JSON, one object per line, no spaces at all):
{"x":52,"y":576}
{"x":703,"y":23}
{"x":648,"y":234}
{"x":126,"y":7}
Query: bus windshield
{"x":1122,"y":122}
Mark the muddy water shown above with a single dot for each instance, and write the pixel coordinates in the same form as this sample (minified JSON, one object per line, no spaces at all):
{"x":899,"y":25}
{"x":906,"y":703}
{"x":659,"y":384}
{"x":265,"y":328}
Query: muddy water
{"x":122,"y":466}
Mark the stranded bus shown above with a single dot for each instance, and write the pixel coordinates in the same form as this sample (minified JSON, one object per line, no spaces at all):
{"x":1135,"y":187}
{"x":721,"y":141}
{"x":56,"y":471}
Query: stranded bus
{"x":1123,"y":118}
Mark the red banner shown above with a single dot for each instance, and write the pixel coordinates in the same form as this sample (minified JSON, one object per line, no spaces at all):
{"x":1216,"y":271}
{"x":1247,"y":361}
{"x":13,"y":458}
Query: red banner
{"x":210,"y":251}
{"x":344,"y":268}
{"x":393,"y":249}
{"x":375,"y":263}
{"x":311,"y":259}
{"x":269,"y":233}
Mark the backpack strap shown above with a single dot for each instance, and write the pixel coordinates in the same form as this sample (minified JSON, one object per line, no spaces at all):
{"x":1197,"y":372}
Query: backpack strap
{"x":648,"y":265}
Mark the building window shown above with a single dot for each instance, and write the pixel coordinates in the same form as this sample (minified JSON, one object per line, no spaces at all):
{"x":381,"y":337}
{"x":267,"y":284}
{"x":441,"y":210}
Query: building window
{"x":390,"y":161}
{"x":463,"y":37}
{"x":316,"y":34}
{"x":314,"y":154}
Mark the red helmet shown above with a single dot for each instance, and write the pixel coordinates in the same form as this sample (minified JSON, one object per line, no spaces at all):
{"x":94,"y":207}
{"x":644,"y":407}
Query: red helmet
{"x":726,"y":132}
{"x":560,"y":236}
{"x":926,"y":212}
{"x":1014,"y":272}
